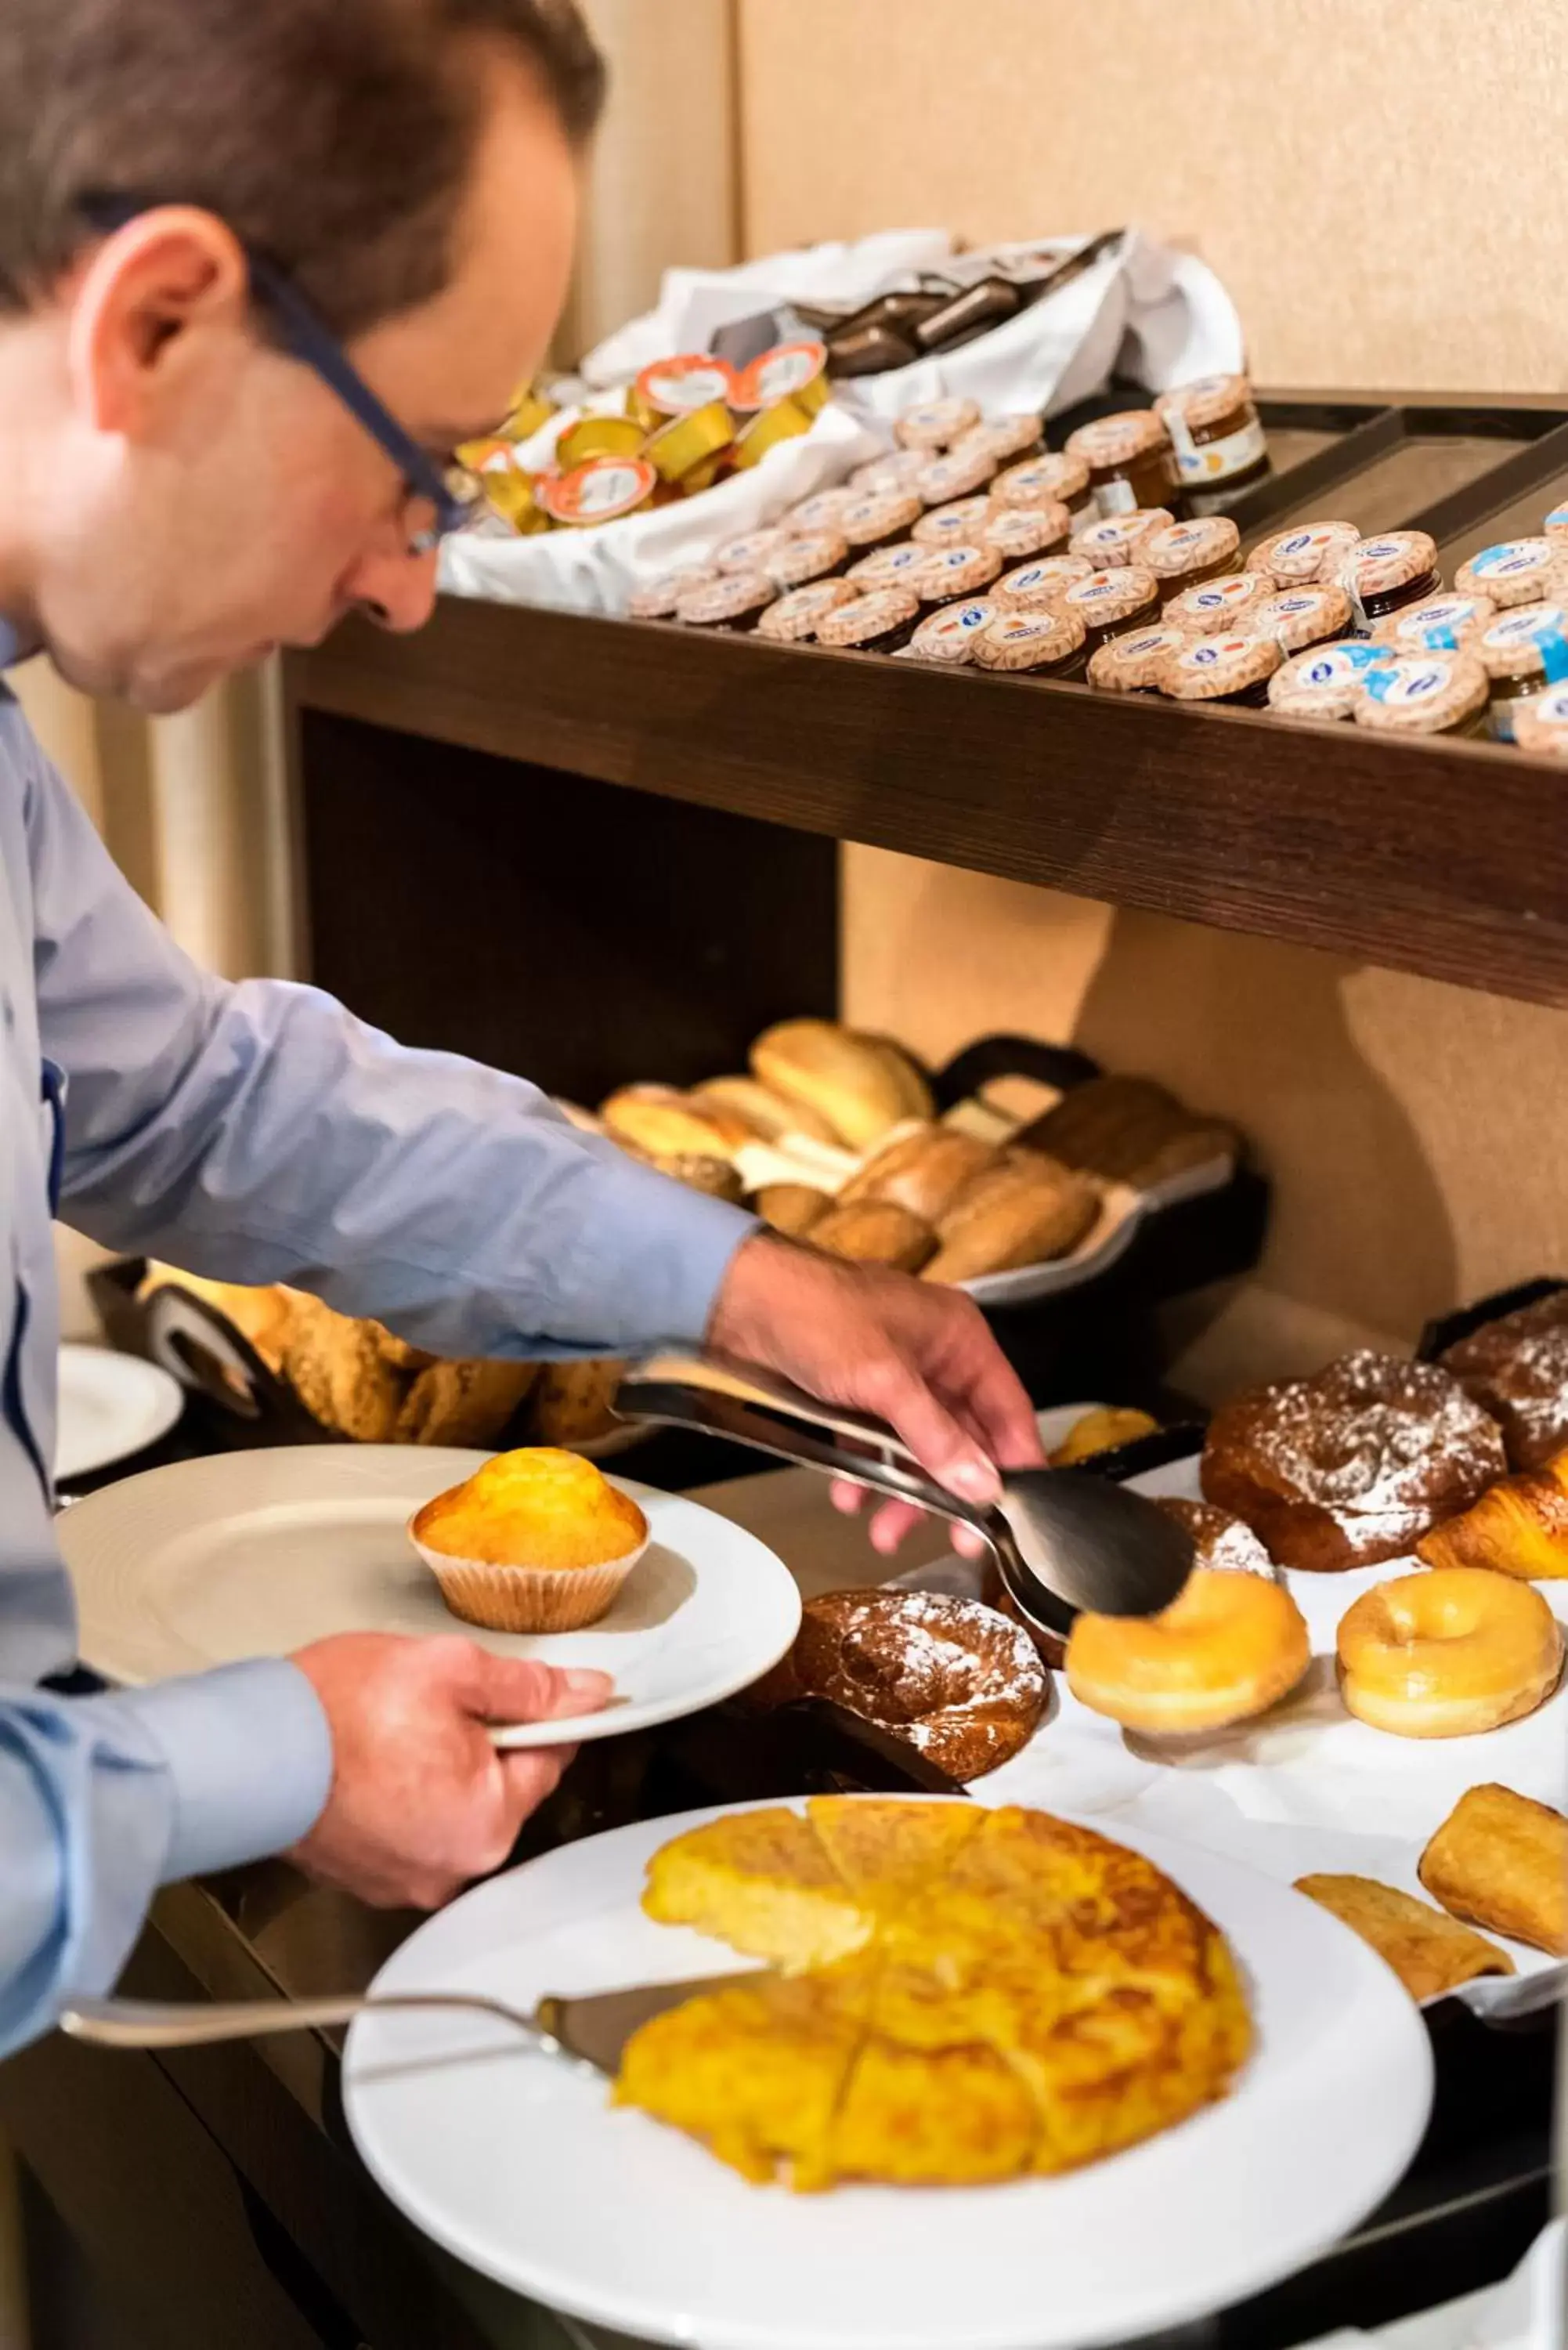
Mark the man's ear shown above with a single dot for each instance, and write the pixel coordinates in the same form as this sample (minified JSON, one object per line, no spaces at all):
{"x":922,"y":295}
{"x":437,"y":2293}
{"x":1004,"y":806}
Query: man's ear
{"x":138,"y":305}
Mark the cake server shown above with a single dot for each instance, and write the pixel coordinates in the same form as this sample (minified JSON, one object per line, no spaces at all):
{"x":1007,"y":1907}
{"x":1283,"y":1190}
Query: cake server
{"x":1063,"y":1539}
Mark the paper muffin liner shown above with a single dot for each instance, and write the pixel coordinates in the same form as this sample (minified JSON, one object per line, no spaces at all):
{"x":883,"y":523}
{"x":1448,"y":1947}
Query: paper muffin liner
{"x":526,"y":1598}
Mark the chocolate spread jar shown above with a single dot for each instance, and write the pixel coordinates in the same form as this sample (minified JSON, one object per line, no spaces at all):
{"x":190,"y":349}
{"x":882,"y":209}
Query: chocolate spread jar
{"x":1183,"y":555}
{"x":1216,"y":434}
{"x":1019,"y":531}
{"x":1129,"y":458}
{"x":1424,"y":693}
{"x":1049,"y":479}
{"x":1386,"y":575}
{"x":795,"y":618}
{"x":1216,"y":604}
{"x":947,"y":638}
{"x":965,"y":518}
{"x":877,"y":623}
{"x":1046,"y":646}
{"x":1307,"y":552}
{"x":1037,"y":587}
{"x":732,"y":600}
{"x":1108,"y":601}
{"x":1523,"y":653}
{"x":1520,"y":571}
{"x":1324,"y":685}
{"x":1439,"y":624}
{"x":1131,"y":662}
{"x":1112,"y":540}
{"x":1298,"y":617}
{"x":1233,"y":669}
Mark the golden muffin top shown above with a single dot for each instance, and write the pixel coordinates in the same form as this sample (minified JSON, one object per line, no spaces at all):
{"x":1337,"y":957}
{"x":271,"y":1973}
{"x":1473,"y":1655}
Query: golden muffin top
{"x":538,"y":1507}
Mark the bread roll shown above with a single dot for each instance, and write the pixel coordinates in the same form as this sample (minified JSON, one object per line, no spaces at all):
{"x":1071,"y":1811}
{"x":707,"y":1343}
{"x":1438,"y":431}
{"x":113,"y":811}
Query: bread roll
{"x":462,"y":1403}
{"x":663,"y":1124}
{"x":717,"y":1176}
{"x":923,"y":1172}
{"x":792,"y":1208}
{"x":845,"y":1081}
{"x":342,"y":1373}
{"x":915,"y":1095}
{"x":772,"y":1116}
{"x":1022,"y":1211}
{"x":571,"y":1404}
{"x":586,"y":1121}
{"x":876,"y":1231}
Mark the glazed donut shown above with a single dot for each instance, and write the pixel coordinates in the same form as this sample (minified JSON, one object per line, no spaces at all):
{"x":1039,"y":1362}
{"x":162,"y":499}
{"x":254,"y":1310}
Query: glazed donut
{"x":1228,"y":1646}
{"x":1448,"y":1652}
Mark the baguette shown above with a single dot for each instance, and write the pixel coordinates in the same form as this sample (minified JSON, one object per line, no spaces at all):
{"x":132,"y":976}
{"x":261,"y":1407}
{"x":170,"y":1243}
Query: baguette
{"x":875,"y":1232}
{"x":1025,"y":1210}
{"x":845,"y":1081}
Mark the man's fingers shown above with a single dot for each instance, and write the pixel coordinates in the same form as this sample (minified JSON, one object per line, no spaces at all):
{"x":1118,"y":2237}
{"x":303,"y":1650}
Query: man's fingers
{"x":943,"y":1448}
{"x":848,"y":1499}
{"x":521,"y":1689}
{"x":891,"y":1522}
{"x":532,"y":1775}
{"x":997,"y":1408}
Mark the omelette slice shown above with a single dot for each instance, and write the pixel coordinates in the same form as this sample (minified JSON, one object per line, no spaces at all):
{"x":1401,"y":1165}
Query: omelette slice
{"x":956,"y":2116}
{"x":762,"y":1882}
{"x":885,"y":1851}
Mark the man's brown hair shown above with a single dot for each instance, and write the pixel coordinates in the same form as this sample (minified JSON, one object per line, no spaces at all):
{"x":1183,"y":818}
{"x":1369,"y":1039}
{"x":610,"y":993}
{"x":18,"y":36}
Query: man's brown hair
{"x":335,"y":135}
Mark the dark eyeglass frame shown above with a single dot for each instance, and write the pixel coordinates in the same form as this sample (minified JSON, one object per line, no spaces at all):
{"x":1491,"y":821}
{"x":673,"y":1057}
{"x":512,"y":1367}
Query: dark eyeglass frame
{"x":306,"y":337}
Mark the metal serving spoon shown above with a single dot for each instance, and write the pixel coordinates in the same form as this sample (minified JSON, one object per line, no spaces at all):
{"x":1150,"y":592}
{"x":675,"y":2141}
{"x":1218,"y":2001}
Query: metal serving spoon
{"x":1063,"y":1539}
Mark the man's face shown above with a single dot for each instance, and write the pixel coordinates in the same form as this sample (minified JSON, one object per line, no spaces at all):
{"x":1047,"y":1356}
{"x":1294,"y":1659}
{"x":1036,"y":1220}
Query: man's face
{"x":211,"y":500}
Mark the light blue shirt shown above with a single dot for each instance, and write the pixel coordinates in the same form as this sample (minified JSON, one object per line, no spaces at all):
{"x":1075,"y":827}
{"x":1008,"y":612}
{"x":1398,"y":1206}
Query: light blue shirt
{"x":254,"y":1132}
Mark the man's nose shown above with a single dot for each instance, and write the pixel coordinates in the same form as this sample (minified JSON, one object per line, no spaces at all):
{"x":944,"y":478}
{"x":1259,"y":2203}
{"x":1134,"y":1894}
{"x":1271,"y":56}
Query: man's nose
{"x":396,"y":592}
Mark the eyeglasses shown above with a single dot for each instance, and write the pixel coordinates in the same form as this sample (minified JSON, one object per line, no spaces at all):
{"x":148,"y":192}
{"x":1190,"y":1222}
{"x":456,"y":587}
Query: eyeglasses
{"x":305,"y":338}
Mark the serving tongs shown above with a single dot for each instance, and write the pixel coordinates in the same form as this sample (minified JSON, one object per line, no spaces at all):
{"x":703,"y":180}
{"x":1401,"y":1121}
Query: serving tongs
{"x":1063,"y":1539}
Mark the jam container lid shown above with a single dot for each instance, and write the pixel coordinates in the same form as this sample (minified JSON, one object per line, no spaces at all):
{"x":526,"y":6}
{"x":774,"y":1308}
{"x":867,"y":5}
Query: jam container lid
{"x":895,"y":470}
{"x":1540,"y":724}
{"x":1131,"y":663}
{"x":729,"y":598}
{"x":1208,"y":668}
{"x":808,"y":555}
{"x":673,"y":386}
{"x":1531,"y":641}
{"x":951,"y":634}
{"x":789,"y":371}
{"x":1121,"y":440}
{"x":1178,"y":547}
{"x":1420,"y":694}
{"x":964,"y":518}
{"x":1051,"y":477}
{"x":795,"y":615}
{"x":656,"y":599}
{"x":889,"y":566}
{"x":957,"y":475}
{"x":601,"y":489}
{"x":1308,"y":551}
{"x":935,"y":424}
{"x":879,"y":513}
{"x":751,"y":550}
{"x":1119,"y":538}
{"x":1005,"y":438}
{"x":1518,"y":571}
{"x":1025,"y":640}
{"x":1034,"y":586}
{"x":1381,"y":566}
{"x":1436,"y":624}
{"x":1025,"y":530}
{"x":824,"y":510}
{"x":1105,"y":598}
{"x":1298,"y":617}
{"x":1556,"y":527}
{"x":867,"y":617}
{"x":962,"y":570}
{"x":1208,"y":400}
{"x":1325,"y":683}
{"x":1228,"y":602}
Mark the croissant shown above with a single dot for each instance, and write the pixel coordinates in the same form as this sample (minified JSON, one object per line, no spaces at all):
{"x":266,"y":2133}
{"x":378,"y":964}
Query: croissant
{"x":1518,"y":1527}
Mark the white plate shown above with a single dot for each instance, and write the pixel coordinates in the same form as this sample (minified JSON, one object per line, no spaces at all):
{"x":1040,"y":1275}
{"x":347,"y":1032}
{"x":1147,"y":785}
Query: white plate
{"x":520,"y":2167}
{"x":112,"y":1407}
{"x":256,"y":1554}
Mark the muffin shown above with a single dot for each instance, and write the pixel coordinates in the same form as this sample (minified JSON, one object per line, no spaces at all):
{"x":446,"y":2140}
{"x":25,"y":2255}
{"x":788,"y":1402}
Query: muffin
{"x":536,"y":1541}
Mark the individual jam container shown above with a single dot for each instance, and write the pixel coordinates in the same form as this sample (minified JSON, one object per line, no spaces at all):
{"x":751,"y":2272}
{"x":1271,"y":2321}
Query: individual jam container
{"x":1520,"y":571}
{"x":1112,"y":540}
{"x":1108,"y":601}
{"x":1183,"y":555}
{"x":768,"y":431}
{"x":1046,"y":646}
{"x":1523,"y":654}
{"x":795,"y":618}
{"x":657,"y":600}
{"x":685,"y":453}
{"x":948,"y":526}
{"x":752,"y":550}
{"x":823,"y":511}
{"x":1215,"y":432}
{"x":599,"y":436}
{"x":1036,"y":586}
{"x":1423,"y":693}
{"x":1235,"y":669}
{"x":1323,"y":684}
{"x":1131,"y":663}
{"x":604,"y":490}
{"x":953,"y":571}
{"x":732,"y":600}
{"x":1216,"y":604}
{"x":1007,"y":438}
{"x":879,"y":517}
{"x":877,"y":623}
{"x":1298,"y":617}
{"x":1444,"y":623}
{"x":1386,"y":575}
{"x":1540,"y":726}
{"x":896,"y":470}
{"x":1049,"y":479}
{"x":899,"y":565}
{"x":935,"y":424}
{"x":674,"y":387}
{"x":948,"y":638}
{"x":796,"y":371}
{"x":959,"y":474}
{"x":1309,"y":551}
{"x":1556,"y":528}
{"x":1128,"y":457}
{"x":806,"y":555}
{"x":1018,"y":531}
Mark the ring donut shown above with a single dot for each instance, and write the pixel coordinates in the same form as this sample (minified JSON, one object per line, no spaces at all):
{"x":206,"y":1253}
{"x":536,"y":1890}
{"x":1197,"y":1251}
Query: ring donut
{"x":1229,"y":1646}
{"x":1448,"y":1652}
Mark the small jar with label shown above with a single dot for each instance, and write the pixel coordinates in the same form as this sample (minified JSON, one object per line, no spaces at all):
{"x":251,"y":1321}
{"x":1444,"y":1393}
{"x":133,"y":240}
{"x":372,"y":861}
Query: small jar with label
{"x":1232,"y":669}
{"x":895,"y":471}
{"x":796,"y":371}
{"x":1215,"y":606}
{"x":1049,"y":479}
{"x":899,"y":565}
{"x":806,"y":555}
{"x":1423,"y":694}
{"x":1045,"y":647}
{"x":1108,"y":601}
{"x":877,"y":623}
{"x":959,"y":474}
{"x":751,"y":550}
{"x":1216,"y":433}
{"x":1007,"y":438}
{"x":947,"y":639}
{"x":1520,"y":571}
{"x":879,"y":518}
{"x":1129,"y":458}
{"x":1523,"y":653}
{"x":733,"y":601}
{"x":1037,"y":587}
{"x":675,"y":386}
{"x":1540,"y":727}
{"x":1439,"y":624}
{"x":1324,"y":685}
{"x":948,"y":525}
{"x":954,"y":571}
{"x":656,"y":599}
{"x":1112,"y":540}
{"x":1555,"y":528}
{"x":1131,"y":662}
{"x":1388,"y":575}
{"x":822,"y":511}
{"x":1307,"y":552}
{"x":1298,"y":617}
{"x":604,"y":489}
{"x":1184,"y":555}
{"x":1019,"y":531}
{"x":936,"y":424}
{"x":795,"y":618}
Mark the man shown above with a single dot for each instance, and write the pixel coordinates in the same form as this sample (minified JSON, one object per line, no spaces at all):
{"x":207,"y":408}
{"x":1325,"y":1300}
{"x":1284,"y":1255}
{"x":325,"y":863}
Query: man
{"x":209,"y":211}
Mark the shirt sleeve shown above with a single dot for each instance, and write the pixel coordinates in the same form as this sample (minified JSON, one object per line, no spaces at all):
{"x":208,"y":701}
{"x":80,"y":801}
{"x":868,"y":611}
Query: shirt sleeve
{"x":258,"y":1132}
{"x":103,"y":1799}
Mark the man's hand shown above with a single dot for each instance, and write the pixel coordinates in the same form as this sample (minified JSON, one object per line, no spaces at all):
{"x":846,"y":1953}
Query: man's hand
{"x":422,"y":1803}
{"x":914,"y":1353}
